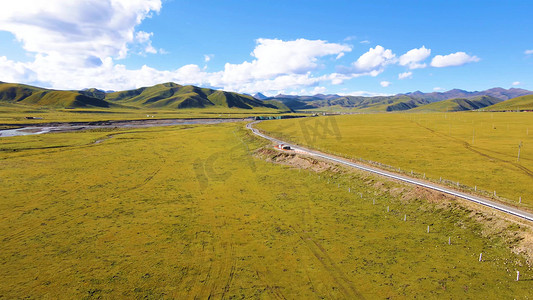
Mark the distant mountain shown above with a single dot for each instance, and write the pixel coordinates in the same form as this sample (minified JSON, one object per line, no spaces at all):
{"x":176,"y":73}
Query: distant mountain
{"x":458,"y":104}
{"x":167,"y":95}
{"x":260,"y":96}
{"x":401,"y":102}
{"x":519,"y":103}
{"x":351,"y":103}
{"x":295,"y":102}
{"x":305,"y":98}
{"x":499,"y":93}
{"x":372,"y":104}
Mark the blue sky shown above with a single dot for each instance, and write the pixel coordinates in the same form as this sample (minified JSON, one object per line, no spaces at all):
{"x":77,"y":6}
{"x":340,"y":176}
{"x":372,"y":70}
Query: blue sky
{"x":298,"y":47}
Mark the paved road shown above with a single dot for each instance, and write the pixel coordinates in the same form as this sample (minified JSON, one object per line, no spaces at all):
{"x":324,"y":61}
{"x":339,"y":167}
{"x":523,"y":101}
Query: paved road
{"x":480,"y":200}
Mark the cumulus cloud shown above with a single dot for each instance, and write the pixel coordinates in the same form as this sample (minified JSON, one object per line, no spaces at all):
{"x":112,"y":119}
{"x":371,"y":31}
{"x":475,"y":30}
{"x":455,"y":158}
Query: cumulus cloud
{"x":371,"y":63}
{"x":454,"y":59}
{"x":318,"y":90}
{"x":15,"y":71}
{"x":516,"y":83}
{"x":143,"y":38}
{"x":90,"y":28}
{"x":414,"y":57}
{"x":278,"y":65}
{"x":528,"y":52}
{"x":275,"y":57}
{"x":337,"y":78}
{"x":405,"y":75}
{"x":384,"y":83}
{"x":374,"y":60}
{"x":208,"y":57}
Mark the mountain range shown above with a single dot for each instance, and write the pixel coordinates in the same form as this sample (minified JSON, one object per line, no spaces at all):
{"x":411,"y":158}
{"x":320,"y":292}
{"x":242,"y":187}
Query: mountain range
{"x":458,"y":104}
{"x":163,"y":96}
{"x":400,"y":102}
{"x":499,"y":93}
{"x":174,"y":97}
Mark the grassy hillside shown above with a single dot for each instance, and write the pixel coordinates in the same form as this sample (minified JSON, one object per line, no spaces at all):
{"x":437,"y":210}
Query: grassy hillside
{"x":174,"y":96}
{"x":166,"y":96}
{"x":459,"y":104}
{"x":192,"y":212}
{"x":280,"y":105}
{"x":519,"y":103}
{"x":29,"y":95}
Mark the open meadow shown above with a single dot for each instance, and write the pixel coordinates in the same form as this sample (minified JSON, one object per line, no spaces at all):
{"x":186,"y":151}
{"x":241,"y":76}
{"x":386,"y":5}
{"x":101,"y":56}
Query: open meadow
{"x":203,"y":212}
{"x":476,"y":150}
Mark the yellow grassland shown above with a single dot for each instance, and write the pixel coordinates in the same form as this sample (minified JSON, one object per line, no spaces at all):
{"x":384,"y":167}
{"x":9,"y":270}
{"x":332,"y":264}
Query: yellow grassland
{"x":192,"y":212}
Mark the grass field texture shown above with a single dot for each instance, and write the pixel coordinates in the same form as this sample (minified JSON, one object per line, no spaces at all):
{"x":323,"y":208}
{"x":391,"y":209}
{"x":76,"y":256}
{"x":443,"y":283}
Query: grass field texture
{"x":191,"y":212}
{"x":475,"y":149}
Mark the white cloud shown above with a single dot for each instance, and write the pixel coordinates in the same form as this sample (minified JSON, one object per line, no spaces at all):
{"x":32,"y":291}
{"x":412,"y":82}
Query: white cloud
{"x":208,"y":57}
{"x":365,"y":42}
{"x":516,"y":83}
{"x":371,"y":63}
{"x":384,"y":83}
{"x":405,"y":75}
{"x":15,"y":71}
{"x":318,"y":90}
{"x":278,"y":65}
{"x":350,"y":38}
{"x":438,"y":89}
{"x":275,"y":57}
{"x":143,"y":38}
{"x":374,"y":60}
{"x":414,"y":57}
{"x":337,"y":78}
{"x":84,"y":29}
{"x":454,"y":59}
{"x":527,"y":52}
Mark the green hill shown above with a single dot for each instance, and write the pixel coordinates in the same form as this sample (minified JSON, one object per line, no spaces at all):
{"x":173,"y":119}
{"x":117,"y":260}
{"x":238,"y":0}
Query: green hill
{"x":164,"y":96}
{"x":29,"y":95}
{"x":519,"y":103}
{"x":172,"y":95}
{"x":458,"y":104}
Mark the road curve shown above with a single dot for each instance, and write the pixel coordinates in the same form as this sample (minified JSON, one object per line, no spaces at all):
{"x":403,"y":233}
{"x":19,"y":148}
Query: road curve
{"x":480,"y":200}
